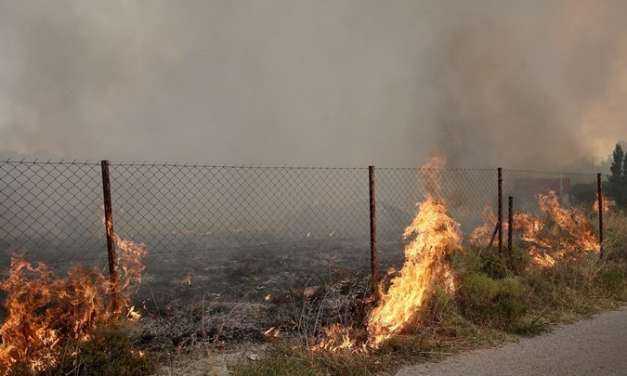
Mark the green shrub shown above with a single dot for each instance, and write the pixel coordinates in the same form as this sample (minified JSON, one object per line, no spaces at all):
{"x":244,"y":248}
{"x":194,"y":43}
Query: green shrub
{"x":500,"y":303}
{"x":612,"y":281}
{"x":492,"y":262}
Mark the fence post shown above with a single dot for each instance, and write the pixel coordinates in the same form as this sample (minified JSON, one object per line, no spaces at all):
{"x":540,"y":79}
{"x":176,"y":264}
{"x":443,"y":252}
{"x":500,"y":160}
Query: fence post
{"x":500,"y":208}
{"x":600,"y":204}
{"x":106,"y":191}
{"x":374,"y":265}
{"x":510,"y":225}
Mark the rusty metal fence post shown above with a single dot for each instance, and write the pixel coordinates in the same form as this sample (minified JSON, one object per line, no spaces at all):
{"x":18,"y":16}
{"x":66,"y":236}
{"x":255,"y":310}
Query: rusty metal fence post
{"x":108,"y":220}
{"x":374,"y":264}
{"x":600,"y":204}
{"x":510,"y":225}
{"x":500,"y":208}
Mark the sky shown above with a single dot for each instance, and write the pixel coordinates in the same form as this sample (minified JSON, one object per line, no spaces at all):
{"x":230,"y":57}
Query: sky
{"x":533,"y":84}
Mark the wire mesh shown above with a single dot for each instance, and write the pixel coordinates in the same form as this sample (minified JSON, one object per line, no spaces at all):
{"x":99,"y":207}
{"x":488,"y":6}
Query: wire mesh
{"x":241,"y":231}
{"x":51,"y":211}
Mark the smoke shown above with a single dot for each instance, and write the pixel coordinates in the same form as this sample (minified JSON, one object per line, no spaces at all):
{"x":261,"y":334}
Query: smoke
{"x":533,"y":84}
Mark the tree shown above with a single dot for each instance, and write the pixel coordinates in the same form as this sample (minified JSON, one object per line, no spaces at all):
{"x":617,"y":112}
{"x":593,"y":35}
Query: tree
{"x":618,"y":179}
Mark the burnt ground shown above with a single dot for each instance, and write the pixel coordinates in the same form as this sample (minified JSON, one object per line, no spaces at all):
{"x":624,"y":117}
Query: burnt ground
{"x":238,"y":294}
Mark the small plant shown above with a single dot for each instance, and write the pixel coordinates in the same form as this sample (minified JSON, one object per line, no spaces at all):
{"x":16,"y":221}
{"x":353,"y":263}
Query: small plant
{"x":612,"y":281}
{"x":498,"y":303}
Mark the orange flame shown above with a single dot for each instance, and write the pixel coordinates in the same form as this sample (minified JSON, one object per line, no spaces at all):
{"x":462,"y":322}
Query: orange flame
{"x":573,"y":232}
{"x":46,"y":312}
{"x":431,"y":237}
{"x":573,"y":221}
{"x":609,"y":206}
{"x":337,"y":338}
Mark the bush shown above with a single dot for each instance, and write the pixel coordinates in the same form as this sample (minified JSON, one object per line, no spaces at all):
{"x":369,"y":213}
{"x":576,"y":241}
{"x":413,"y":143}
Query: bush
{"x":499,"y":303}
{"x":612,"y":281}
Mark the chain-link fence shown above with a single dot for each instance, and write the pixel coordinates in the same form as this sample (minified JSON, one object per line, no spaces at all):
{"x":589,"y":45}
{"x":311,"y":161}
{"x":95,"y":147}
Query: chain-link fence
{"x":236,"y":232}
{"x":51,"y":212}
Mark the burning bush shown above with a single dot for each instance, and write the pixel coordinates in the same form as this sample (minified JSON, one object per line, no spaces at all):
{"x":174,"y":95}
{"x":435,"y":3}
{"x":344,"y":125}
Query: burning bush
{"x":47,"y":313}
{"x":560,"y":233}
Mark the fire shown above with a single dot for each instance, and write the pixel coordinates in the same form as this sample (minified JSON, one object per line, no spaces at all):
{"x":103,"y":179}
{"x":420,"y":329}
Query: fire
{"x":609,"y":206}
{"x":562,"y":232}
{"x":337,"y":338}
{"x":573,"y":221}
{"x":481,"y":235}
{"x":46,"y":312}
{"x":432,"y":236}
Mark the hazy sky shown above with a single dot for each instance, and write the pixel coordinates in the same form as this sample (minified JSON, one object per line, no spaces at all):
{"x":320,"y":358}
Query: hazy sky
{"x":534,"y":84}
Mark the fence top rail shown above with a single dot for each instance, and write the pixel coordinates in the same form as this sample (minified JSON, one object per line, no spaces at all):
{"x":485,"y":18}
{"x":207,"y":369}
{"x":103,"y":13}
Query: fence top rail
{"x":172,"y":164}
{"x":549,"y":172}
{"x":280,"y":167}
{"x":452,"y":169}
{"x":229,"y":166}
{"x":48,"y":162}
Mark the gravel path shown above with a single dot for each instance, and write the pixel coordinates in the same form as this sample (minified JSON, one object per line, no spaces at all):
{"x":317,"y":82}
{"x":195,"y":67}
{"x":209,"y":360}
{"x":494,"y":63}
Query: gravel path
{"x":591,"y":347}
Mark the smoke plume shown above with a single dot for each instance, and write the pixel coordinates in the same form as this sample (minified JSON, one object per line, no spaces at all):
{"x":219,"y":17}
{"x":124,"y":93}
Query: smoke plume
{"x":533,"y":84}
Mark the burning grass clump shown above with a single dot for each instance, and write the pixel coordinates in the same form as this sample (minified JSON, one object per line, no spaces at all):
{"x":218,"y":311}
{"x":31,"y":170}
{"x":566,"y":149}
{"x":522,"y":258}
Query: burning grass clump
{"x":49,"y":317}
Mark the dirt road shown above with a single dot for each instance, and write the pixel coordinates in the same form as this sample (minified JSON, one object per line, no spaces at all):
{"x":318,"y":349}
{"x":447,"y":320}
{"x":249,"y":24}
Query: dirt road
{"x":590,"y":347}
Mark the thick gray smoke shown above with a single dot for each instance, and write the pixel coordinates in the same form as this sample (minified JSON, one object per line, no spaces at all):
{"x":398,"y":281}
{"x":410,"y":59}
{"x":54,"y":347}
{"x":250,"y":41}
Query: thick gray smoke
{"x":534,"y":84}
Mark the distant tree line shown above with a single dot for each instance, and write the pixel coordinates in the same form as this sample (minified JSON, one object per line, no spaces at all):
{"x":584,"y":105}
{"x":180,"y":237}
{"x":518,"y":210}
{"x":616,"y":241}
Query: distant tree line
{"x":617,"y":182}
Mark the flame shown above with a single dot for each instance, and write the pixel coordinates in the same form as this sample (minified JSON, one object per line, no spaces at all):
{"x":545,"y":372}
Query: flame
{"x":481,"y":235}
{"x":337,"y":338}
{"x":573,"y":233}
{"x":46,"y":312}
{"x":573,"y":221}
{"x":432,"y":236}
{"x":609,"y":206}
